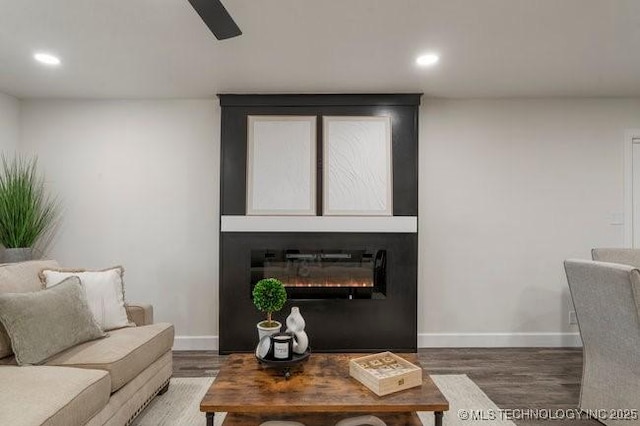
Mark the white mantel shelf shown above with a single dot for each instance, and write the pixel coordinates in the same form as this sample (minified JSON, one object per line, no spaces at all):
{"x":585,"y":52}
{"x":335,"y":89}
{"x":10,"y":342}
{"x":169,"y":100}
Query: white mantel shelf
{"x":391,"y":224}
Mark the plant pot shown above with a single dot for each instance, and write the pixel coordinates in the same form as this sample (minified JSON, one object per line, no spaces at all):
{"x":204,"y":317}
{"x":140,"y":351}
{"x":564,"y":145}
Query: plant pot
{"x":263,"y":330}
{"x":14,"y":255}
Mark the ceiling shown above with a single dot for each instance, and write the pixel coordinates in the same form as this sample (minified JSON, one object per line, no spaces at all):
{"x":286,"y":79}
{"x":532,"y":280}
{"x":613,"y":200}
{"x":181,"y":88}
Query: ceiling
{"x":161,"y":48}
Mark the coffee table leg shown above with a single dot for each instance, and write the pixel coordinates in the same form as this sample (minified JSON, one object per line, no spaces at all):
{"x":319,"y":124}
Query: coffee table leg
{"x":438,"y":416}
{"x":210,"y":417}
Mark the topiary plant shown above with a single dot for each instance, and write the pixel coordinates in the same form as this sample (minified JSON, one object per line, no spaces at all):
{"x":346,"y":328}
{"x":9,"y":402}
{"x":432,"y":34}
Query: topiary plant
{"x":269,"y":296}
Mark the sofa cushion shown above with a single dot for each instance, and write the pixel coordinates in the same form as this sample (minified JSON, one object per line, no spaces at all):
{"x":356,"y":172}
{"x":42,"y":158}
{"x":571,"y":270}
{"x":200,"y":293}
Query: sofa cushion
{"x":44,"y":323}
{"x":20,"y":278}
{"x":51,"y":396}
{"x":125,"y":353}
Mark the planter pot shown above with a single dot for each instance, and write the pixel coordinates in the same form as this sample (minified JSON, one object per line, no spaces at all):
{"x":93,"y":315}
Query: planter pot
{"x":14,"y":255}
{"x":263,"y":330}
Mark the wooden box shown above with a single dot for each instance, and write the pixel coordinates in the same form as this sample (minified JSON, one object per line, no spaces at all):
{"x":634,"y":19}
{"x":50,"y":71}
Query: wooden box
{"x":385,"y":373}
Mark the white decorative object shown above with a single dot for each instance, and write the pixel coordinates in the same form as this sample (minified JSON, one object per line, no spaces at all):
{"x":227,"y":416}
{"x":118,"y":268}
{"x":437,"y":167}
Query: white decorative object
{"x":358,"y":176}
{"x":296,"y":325}
{"x":295,"y":322}
{"x":301,"y":342}
{"x":105,"y":293}
{"x":281,"y":165}
{"x":264,"y":347}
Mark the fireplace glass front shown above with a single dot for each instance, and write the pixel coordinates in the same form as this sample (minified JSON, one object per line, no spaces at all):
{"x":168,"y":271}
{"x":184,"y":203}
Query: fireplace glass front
{"x":323,"y":274}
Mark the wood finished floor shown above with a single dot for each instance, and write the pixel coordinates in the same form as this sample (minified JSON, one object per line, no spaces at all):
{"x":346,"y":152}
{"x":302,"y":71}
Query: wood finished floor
{"x":514,"y":378}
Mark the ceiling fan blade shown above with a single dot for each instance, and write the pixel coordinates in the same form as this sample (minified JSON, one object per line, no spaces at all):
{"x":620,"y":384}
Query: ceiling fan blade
{"x":217,"y":18}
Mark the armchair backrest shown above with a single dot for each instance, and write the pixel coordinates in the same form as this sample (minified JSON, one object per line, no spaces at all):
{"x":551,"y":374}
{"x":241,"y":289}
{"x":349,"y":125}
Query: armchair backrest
{"x":623,"y":256}
{"x":606,"y":297}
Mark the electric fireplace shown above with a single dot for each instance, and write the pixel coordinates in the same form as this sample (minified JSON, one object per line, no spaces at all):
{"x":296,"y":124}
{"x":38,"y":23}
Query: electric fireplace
{"x":356,"y":291}
{"x":323,"y":274}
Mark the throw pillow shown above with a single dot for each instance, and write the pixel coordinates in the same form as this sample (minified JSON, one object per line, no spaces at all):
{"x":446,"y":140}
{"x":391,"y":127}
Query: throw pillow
{"x":19,"y":278}
{"x":41,"y":324}
{"x":105,"y":292}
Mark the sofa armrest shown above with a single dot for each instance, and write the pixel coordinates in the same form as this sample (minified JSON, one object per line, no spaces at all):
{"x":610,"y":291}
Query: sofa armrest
{"x":139,"y":313}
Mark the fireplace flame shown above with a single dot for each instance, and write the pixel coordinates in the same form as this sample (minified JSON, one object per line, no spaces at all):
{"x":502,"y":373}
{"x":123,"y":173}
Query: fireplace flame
{"x":344,"y":283}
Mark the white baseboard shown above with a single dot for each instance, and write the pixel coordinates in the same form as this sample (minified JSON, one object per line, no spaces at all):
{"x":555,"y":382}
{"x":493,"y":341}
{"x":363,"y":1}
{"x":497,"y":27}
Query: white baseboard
{"x":195,"y":343}
{"x":498,"y":340}
{"x":432,"y":340}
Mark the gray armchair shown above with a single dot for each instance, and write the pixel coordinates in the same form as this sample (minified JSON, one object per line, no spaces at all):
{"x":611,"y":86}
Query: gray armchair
{"x":606,"y":297}
{"x":623,"y":256}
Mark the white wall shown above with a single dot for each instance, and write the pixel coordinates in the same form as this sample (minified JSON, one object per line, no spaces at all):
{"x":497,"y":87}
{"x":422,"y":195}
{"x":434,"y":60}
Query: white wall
{"x":139,"y":183}
{"x":9,"y":123}
{"x":508,"y":190}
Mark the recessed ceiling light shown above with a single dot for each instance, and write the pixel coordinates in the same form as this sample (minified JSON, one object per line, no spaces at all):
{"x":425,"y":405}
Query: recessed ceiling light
{"x":427,"y":60}
{"x":46,"y":58}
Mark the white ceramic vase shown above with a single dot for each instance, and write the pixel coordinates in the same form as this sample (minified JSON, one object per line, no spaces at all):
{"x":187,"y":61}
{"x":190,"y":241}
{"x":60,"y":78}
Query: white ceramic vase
{"x":296,"y":325}
{"x":295,"y":322}
{"x":300,"y":342}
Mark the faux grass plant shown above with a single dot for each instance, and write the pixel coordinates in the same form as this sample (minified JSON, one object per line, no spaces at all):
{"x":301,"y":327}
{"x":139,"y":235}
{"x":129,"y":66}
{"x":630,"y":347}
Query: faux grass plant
{"x":26,"y":211}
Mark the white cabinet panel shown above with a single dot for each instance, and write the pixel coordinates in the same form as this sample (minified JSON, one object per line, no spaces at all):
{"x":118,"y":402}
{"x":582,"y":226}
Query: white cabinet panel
{"x":281,"y":165}
{"x":357,"y":166}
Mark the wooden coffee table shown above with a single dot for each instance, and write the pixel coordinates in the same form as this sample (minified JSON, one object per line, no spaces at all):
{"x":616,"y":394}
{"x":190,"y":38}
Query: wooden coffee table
{"x":320,"y":391}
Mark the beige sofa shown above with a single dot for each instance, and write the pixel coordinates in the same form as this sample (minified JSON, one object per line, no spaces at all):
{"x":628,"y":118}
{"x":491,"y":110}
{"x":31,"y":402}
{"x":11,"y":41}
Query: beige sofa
{"x":102,"y":382}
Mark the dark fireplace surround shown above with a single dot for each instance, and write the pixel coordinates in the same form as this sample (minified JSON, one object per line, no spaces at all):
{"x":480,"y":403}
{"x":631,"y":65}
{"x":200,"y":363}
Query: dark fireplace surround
{"x":356,"y":290}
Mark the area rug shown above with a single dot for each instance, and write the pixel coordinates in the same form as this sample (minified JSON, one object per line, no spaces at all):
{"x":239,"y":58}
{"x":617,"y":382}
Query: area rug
{"x":180,"y":405}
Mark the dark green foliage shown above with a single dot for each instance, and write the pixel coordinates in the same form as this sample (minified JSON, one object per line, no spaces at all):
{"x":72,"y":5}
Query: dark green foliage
{"x":269,"y":296}
{"x":26,"y":212}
